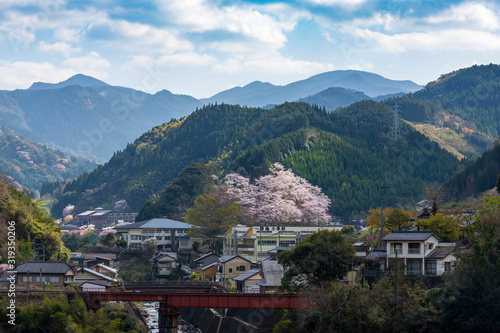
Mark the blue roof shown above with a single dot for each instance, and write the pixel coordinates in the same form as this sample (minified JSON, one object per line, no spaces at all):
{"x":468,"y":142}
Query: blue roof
{"x":156,"y":224}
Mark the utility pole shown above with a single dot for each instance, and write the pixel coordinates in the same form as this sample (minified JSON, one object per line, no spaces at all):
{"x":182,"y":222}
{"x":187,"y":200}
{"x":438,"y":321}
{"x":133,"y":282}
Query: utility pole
{"x":381,"y":229}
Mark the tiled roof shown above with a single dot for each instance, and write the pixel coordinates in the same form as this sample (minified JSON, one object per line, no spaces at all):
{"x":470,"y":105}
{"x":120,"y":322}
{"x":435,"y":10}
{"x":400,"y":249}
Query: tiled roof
{"x":210,"y":265}
{"x":46,"y":267}
{"x":98,"y":274}
{"x":410,"y":235}
{"x":228,"y":257}
{"x":206,"y":255}
{"x":440,"y":252}
{"x":247,"y":274}
{"x":375,"y":254}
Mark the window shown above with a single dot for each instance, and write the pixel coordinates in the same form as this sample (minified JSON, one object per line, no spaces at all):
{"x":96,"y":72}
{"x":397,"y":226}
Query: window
{"x":397,"y":248}
{"x":430,"y":267}
{"x":447,"y":266}
{"x":230,"y":270}
{"x":431,"y":246}
{"x":54,"y":279}
{"x":414,"y":248}
{"x":242,"y":268}
{"x":68,"y":279}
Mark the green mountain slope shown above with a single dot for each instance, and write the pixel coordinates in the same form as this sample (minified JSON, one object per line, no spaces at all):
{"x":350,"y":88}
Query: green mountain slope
{"x":23,"y":217}
{"x":332,"y":98}
{"x":31,"y":164}
{"x":88,"y":117}
{"x":466,"y":101}
{"x":234,"y":138}
{"x":477,"y":177}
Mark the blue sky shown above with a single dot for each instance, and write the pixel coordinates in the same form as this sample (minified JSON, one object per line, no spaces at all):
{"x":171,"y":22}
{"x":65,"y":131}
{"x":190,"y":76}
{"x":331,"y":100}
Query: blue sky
{"x":200,"y":47}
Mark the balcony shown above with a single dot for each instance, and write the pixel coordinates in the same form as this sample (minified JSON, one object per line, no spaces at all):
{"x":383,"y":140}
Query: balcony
{"x":414,"y":251}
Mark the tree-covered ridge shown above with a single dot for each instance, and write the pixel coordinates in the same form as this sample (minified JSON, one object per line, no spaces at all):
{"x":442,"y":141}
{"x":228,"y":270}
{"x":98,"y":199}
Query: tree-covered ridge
{"x":249,"y":140}
{"x":31,"y":164}
{"x":477,"y":177}
{"x":29,"y":223}
{"x":466,"y":101}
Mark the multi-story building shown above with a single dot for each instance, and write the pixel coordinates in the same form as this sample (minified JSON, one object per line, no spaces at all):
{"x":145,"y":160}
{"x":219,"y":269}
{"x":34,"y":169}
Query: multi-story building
{"x":253,"y":243}
{"x":166,"y":234}
{"x":422,"y":252}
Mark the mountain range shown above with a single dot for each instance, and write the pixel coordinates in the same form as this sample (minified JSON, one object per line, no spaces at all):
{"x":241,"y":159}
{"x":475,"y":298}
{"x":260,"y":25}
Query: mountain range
{"x":90,"y":118}
{"x":347,"y":153}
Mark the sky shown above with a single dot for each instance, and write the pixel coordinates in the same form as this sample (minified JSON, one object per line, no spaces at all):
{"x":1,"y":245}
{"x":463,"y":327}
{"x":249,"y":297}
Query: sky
{"x":201,"y":47}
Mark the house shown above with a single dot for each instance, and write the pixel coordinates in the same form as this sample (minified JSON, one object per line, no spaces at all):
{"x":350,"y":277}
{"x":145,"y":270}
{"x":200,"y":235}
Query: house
{"x":205,"y":260}
{"x":362,"y":249}
{"x":422,"y":252}
{"x":253,"y":243}
{"x":53,"y":273}
{"x":91,"y":259}
{"x":231,"y":266}
{"x":272,"y":273}
{"x":86,"y":274}
{"x":247,"y":282}
{"x":163,"y":265}
{"x":165,"y":234}
{"x":105,"y":270}
{"x":210,"y":271}
{"x":92,"y":285}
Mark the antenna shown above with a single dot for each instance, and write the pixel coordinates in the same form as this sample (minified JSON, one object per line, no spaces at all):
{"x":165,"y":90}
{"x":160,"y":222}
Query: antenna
{"x":396,"y":131}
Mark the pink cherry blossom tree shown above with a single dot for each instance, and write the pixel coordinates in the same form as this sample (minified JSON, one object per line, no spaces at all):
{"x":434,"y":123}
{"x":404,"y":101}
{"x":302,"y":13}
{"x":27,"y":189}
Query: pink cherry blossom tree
{"x":281,"y":197}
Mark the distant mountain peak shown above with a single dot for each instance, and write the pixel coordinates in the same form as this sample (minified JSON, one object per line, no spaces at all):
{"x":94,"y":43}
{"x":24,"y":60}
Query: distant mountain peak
{"x":75,"y":80}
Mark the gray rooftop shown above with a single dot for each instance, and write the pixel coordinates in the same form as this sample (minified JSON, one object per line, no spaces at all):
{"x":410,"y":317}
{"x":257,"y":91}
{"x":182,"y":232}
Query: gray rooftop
{"x":228,"y":257}
{"x":155,"y":224}
{"x":410,"y":235}
{"x":440,"y":252}
{"x":247,"y":274}
{"x":215,"y":263}
{"x":46,"y":267}
{"x":375,"y":254}
{"x":207,"y":255}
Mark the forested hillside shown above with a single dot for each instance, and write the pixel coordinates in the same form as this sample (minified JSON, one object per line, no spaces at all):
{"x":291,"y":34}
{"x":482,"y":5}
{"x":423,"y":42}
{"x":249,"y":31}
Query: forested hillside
{"x":465,"y":102}
{"x":248,"y":140}
{"x":476,"y":178}
{"x":31,"y":164}
{"x":23,"y":217}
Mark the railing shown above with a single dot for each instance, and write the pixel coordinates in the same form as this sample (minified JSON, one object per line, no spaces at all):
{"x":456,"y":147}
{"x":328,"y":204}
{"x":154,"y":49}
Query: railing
{"x":413,"y":251}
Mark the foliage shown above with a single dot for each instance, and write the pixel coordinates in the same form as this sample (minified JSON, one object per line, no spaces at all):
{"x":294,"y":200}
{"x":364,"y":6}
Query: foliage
{"x":61,"y":315}
{"x":346,"y":153}
{"x":212,"y":215}
{"x":473,"y":289}
{"x":280,"y":198}
{"x":108,"y":240}
{"x":30,"y":224}
{"x":444,"y":226}
{"x":31,"y":164}
{"x":394,"y":219}
{"x":323,"y":257}
{"x":174,"y":201}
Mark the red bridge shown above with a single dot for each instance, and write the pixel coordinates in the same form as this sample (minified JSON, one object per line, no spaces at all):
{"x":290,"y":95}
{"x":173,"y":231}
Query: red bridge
{"x":172,"y":297}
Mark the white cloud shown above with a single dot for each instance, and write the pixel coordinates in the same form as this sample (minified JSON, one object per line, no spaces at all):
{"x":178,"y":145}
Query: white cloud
{"x":59,"y":47}
{"x":276,"y":64}
{"x":21,"y":74}
{"x":475,"y":15}
{"x":346,"y":3}
{"x":91,"y":64}
{"x":247,"y":21}
{"x":446,"y":40}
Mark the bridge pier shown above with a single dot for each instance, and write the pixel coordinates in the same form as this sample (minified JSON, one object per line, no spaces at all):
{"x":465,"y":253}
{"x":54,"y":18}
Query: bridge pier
{"x":168,"y":318}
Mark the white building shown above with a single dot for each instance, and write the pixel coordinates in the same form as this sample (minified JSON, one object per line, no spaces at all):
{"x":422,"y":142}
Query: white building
{"x":423,"y":252}
{"x":253,"y":243}
{"x":166,"y":234}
